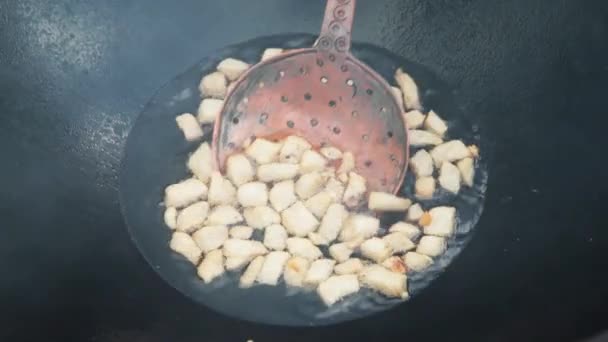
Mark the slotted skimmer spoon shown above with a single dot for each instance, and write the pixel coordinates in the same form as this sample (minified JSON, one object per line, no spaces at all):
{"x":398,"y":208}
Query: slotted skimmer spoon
{"x":325,"y":95}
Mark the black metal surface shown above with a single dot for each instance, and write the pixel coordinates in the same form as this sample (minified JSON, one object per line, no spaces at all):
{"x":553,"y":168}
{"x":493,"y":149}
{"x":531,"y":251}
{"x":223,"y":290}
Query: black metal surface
{"x":156,"y":155}
{"x":75,"y":74}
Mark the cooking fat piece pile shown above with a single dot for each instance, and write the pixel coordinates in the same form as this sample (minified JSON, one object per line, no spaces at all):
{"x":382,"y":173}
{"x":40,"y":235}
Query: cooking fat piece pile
{"x":301,"y":198}
{"x":451,"y":160}
{"x":294,"y":196}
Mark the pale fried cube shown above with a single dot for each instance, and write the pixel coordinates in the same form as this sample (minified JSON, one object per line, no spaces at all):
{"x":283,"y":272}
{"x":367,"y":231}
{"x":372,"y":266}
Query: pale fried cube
{"x":417,"y":262}
{"x":449,"y":177}
{"x":271,"y":53}
{"x":282,"y":195}
{"x":443,"y":221}
{"x":331,"y":153}
{"x":312,"y":161}
{"x":432,"y":246}
{"x":295,"y":271}
{"x":212,"y":266}
{"x":340,"y":251}
{"x":241,"y":232}
{"x":236,"y":263}
{"x":335,"y":188}
{"x":398,"y":242}
{"x":273,"y":266}
{"x":350,"y":266}
{"x":213,"y":85}
{"x":243,"y":248}
{"x":232,"y":68}
{"x":414,"y":213}
{"x":188,"y":124}
{"x":185,"y":192}
{"x":170,"y":217}
{"x":239,"y":169}
{"x":263,"y":151}
{"x":251,"y":273}
{"x":304,"y":248}
{"x":192,"y":217}
{"x":348,"y":163}
{"x":411,"y":232}
{"x":224,"y":215}
{"x":335,"y":288}
{"x":332,"y":222}
{"x":221,"y":191}
{"x":319,"y":271}
{"x":317,"y":239}
{"x":423,"y":138}
{"x":398,"y":96}
{"x":359,"y":226}
{"x":275,"y":172}
{"x":375,"y":249}
{"x":383,"y":201}
{"x":449,"y":151}
{"x":261,"y":217}
{"x":252,"y":194}
{"x":435,"y":124}
{"x":319,"y":203}
{"x":395,"y":264}
{"x":292,"y":149}
{"x":425,"y":187}
{"x":411,"y":99}
{"x":209,"y":110}
{"x":309,"y":184}
{"x":355,"y":190}
{"x":298,"y":220}
{"x":210,"y":237}
{"x":414,"y":119}
{"x":275,"y":237}
{"x":467,"y":170}
{"x":200,"y":163}
{"x":422,"y":164}
{"x":390,"y":284}
{"x":183,"y":244}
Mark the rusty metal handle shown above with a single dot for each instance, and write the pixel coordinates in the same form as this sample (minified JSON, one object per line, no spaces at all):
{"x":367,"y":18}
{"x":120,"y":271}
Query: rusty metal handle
{"x":337,"y":24}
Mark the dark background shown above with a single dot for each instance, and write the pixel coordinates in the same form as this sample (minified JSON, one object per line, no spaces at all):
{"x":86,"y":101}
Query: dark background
{"x":75,"y":74}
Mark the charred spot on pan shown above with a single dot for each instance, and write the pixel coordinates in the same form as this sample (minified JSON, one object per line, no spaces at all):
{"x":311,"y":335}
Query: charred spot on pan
{"x":307,"y":97}
{"x":332,"y":103}
{"x":303,"y":71}
{"x":368,"y":163}
{"x":314,"y":122}
{"x":389,"y":134}
{"x":235,"y":121}
{"x":263,"y":117}
{"x":319,"y":62}
{"x":332,"y":57}
{"x":290,"y":124}
{"x":369,"y":92}
{"x":336,"y":130}
{"x":284,"y":98}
